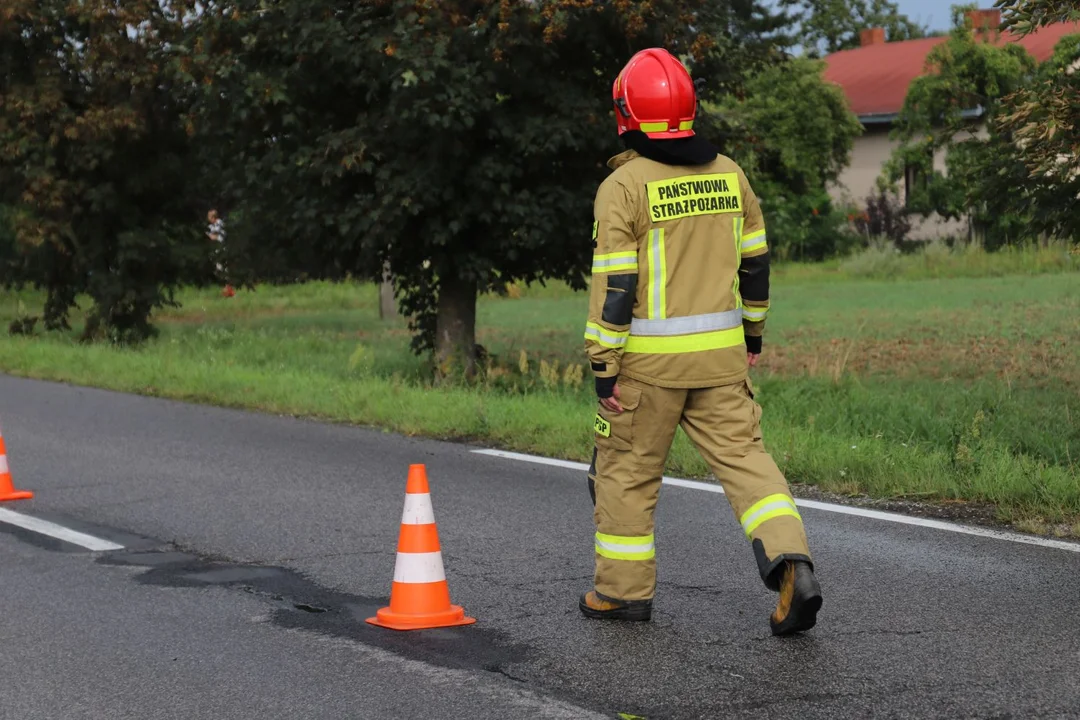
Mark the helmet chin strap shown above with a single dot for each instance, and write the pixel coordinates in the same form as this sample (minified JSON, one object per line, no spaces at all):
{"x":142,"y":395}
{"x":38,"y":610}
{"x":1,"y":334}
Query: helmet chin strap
{"x":693,"y":150}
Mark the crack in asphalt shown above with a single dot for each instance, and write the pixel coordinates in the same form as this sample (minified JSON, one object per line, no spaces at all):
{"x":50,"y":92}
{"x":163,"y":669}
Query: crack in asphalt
{"x":500,"y":671}
{"x":320,"y":556}
{"x":899,"y":633}
{"x":816,"y":697}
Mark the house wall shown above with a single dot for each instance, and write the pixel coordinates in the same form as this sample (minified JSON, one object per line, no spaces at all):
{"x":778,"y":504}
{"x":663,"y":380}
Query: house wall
{"x":868,"y":157}
{"x":869,"y":154}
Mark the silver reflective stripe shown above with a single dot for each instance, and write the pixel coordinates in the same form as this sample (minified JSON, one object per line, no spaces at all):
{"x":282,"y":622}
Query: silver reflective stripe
{"x":753,"y":241}
{"x":687,"y":325}
{"x":612,"y":262}
{"x":604,"y":337}
{"x":657,"y":271}
{"x":754,"y":313}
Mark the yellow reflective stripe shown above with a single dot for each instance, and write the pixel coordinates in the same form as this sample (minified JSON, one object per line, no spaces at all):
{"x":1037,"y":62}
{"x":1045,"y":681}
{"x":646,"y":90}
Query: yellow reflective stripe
{"x":619,"y":555}
{"x":626,"y":539}
{"x":630,"y":254}
{"x":755,"y":314}
{"x":768,"y":508}
{"x":600,"y":270}
{"x":619,"y":547}
{"x":671,"y":345}
{"x":657,"y":294}
{"x":662,"y":252}
{"x":738,"y":226}
{"x":595,"y":229}
{"x":607,"y":338}
{"x":663,"y":126}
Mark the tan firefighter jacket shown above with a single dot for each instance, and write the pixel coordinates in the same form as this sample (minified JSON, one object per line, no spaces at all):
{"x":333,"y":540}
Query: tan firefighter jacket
{"x":680,"y":273}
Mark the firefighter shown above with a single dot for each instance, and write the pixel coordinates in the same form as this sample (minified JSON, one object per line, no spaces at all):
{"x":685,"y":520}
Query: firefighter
{"x":678,"y":303}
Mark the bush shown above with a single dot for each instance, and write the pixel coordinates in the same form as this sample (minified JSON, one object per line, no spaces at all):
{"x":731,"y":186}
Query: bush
{"x":805,"y":227}
{"x":884,"y":217}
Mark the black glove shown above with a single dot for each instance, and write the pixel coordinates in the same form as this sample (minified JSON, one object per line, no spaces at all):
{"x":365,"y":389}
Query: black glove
{"x":605,"y":387}
{"x":753,"y":344}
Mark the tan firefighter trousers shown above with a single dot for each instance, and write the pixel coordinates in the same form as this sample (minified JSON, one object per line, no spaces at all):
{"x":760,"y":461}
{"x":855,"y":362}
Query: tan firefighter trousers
{"x":628,"y":464}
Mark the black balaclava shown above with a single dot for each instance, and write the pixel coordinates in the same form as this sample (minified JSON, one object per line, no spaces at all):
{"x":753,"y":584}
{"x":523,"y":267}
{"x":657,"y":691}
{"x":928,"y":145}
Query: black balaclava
{"x":694,"y":150}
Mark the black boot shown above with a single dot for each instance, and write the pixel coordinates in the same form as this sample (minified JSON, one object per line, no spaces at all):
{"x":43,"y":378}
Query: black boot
{"x":800,"y":599}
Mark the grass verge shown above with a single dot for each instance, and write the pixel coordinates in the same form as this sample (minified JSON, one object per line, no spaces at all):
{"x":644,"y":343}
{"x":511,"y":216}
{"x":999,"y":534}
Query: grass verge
{"x":941,"y":390}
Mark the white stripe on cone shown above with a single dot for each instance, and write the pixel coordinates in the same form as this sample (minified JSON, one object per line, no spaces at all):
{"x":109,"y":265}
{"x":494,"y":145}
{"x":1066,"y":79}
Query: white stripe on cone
{"x":3,"y":464}
{"x":418,"y":510}
{"x":419,"y":567}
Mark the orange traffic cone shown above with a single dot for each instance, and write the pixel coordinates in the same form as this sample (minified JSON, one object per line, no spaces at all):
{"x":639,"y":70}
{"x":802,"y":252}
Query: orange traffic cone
{"x":419,"y":596}
{"x":7,"y":488}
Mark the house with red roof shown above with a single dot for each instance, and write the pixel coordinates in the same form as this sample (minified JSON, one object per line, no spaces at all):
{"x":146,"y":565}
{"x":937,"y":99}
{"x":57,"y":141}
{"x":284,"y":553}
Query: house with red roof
{"x":875,"y":78}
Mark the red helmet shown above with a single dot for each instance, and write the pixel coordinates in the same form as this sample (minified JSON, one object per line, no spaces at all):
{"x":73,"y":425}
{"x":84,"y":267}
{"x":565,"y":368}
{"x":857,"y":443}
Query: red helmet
{"x":655,"y":94}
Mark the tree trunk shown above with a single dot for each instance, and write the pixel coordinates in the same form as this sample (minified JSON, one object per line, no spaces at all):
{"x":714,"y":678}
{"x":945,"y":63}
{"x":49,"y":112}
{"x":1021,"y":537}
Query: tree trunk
{"x":455,"y":327}
{"x":387,"y":306}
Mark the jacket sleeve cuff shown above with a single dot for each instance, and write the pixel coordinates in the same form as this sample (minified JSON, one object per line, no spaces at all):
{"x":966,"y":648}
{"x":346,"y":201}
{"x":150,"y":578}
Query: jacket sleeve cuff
{"x":753,"y":344}
{"x":605,"y":387}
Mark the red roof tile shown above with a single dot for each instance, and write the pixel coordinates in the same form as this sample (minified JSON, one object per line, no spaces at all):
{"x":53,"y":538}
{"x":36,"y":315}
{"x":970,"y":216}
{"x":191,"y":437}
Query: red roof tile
{"x":875,"y":78}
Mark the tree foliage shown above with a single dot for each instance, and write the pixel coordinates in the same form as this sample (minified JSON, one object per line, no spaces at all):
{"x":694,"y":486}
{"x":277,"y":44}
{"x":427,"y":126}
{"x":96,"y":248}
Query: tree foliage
{"x":462,"y":142}
{"x":1025,"y":16}
{"x":94,"y":161}
{"x":828,"y":26}
{"x":795,"y":133}
{"x":459,"y":141}
{"x":1043,"y":120}
{"x":797,"y":129}
{"x":950,"y":110}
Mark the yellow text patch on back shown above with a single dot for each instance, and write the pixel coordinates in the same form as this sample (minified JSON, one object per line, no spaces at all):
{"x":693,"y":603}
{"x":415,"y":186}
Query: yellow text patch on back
{"x":694,"y":195}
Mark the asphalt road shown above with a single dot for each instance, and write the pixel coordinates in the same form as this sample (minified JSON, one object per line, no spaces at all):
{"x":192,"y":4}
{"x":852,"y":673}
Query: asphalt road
{"x":256,"y":545}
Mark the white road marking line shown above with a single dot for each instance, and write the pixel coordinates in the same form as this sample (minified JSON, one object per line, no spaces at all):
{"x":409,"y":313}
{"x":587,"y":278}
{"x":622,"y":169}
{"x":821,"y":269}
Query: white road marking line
{"x":827,"y":507}
{"x":56,"y":531}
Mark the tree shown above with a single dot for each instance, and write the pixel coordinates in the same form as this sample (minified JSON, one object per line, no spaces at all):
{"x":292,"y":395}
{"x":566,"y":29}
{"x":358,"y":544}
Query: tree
{"x":1042,"y":120}
{"x":794,"y":135}
{"x":951,"y":109}
{"x":1026,"y":16}
{"x":828,"y":26}
{"x":94,"y":161}
{"x":798,"y":128}
{"x":461,"y":142}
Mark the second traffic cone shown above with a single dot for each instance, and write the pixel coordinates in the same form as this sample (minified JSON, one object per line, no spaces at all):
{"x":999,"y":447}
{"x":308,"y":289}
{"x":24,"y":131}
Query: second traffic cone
{"x":7,"y":487}
{"x":419,"y":596}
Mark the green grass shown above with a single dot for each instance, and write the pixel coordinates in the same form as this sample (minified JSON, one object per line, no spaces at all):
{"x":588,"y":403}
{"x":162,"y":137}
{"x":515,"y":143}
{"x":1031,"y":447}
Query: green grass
{"x":942,"y":389}
{"x":937,"y":260}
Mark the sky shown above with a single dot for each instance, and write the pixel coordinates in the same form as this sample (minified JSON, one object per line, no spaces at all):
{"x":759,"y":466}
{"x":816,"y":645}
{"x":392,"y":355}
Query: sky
{"x":937,"y":14}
